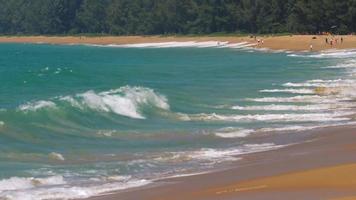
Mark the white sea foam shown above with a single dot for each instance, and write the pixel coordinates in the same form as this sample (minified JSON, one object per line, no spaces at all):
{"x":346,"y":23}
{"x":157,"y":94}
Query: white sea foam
{"x":302,"y":98}
{"x":231,"y":132}
{"x":288,"y":128}
{"x":174,"y":44}
{"x":349,"y":53}
{"x":2,"y":123}
{"x":34,"y":106}
{"x":322,"y":83}
{"x":56,"y":156}
{"x":216,"y":155}
{"x":56,"y":188}
{"x":311,"y":117}
{"x":311,"y":107}
{"x":16,"y":183}
{"x":124,"y":101}
{"x":293,"y":91}
{"x":347,"y":64}
{"x":106,"y":133}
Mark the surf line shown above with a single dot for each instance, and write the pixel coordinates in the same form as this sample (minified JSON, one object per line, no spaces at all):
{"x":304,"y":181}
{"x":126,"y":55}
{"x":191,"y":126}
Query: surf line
{"x":231,"y":190}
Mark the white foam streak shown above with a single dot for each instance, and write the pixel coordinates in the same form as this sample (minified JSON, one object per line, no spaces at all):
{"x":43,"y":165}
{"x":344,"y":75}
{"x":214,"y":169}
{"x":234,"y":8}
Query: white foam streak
{"x":292,"y":91}
{"x":312,"y":107}
{"x":289,"y":128}
{"x":344,"y":65}
{"x":349,"y":53}
{"x":296,"y":99}
{"x":16,"y":183}
{"x":217,"y":155}
{"x":231,"y":132}
{"x":312,"y":117}
{"x":34,"y":106}
{"x":322,"y":83}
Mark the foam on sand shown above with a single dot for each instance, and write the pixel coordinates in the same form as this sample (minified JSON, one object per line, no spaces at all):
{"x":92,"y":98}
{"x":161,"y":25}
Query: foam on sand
{"x":52,"y":188}
{"x":16,"y":183}
{"x":213,"y":156}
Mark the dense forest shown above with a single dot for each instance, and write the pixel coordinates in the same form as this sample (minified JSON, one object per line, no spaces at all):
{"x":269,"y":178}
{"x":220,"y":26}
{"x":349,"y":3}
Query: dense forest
{"x":145,"y":17}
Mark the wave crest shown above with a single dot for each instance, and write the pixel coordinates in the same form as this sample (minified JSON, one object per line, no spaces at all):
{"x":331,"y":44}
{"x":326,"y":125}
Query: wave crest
{"x":125,"y":101}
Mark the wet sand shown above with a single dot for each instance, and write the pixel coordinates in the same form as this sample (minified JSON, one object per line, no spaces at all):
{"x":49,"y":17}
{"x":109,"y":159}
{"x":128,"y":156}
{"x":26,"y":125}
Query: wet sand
{"x":322,"y":168}
{"x":292,"y":42}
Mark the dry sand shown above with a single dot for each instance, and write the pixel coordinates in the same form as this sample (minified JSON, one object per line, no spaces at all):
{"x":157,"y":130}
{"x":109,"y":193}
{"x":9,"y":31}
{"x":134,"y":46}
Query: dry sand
{"x":292,"y":42}
{"x":323,"y":168}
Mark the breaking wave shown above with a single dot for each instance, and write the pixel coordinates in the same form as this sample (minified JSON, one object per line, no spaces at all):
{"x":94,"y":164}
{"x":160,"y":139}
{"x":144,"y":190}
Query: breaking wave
{"x":34,"y":106}
{"x":126,"y":101}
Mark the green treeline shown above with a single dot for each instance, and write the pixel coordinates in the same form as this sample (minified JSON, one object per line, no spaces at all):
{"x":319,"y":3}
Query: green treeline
{"x":145,"y":17}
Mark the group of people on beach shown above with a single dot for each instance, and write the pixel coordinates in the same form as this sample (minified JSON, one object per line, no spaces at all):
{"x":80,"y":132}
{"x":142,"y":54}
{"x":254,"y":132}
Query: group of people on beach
{"x":334,"y":40}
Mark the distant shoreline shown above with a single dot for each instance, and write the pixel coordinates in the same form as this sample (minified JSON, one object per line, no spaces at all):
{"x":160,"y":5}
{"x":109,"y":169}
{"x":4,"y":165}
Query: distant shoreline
{"x":286,"y":42}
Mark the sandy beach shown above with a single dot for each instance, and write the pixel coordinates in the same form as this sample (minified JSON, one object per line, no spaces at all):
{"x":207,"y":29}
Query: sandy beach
{"x":292,"y":42}
{"x":322,"y":168}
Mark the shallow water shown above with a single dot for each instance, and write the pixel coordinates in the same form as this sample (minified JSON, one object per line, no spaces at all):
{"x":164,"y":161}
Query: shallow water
{"x":76,"y":121}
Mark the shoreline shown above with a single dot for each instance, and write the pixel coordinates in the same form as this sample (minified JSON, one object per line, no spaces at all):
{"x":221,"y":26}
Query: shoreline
{"x":288,"y":43}
{"x":323,"y":167}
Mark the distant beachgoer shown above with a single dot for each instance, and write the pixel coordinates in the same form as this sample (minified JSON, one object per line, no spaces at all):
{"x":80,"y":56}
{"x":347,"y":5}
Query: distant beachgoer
{"x":311,"y":47}
{"x":326,"y":41}
{"x":331,"y":42}
{"x":258,"y":41}
{"x":262,"y":41}
{"x":342,"y":40}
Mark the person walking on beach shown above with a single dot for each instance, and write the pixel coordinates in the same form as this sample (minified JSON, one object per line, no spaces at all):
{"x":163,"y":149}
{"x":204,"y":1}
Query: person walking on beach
{"x":342,"y":40}
{"x":326,"y":41}
{"x":311,"y":47}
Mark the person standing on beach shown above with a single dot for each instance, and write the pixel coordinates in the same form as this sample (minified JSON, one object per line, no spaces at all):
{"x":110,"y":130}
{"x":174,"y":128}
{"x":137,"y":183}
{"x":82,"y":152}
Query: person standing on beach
{"x":311,"y":47}
{"x":342,"y":40}
{"x":326,"y":41}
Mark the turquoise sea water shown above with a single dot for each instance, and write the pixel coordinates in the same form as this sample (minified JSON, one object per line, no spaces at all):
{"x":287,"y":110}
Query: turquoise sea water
{"x":76,"y":121}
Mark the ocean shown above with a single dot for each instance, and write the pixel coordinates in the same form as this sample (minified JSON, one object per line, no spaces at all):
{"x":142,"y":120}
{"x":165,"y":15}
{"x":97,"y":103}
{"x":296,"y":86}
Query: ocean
{"x":81,"y":120}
